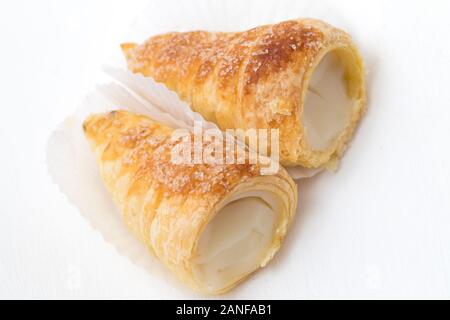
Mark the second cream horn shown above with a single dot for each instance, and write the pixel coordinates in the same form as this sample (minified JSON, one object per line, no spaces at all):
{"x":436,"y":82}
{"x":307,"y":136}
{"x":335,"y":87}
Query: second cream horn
{"x":303,"y":77}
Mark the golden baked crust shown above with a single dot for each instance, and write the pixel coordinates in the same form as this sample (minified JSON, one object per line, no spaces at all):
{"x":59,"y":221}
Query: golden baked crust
{"x":254,"y":79}
{"x":167,"y":205}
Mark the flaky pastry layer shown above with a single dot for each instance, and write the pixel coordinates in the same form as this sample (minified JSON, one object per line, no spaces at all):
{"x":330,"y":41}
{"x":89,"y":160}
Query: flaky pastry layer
{"x":168,"y":206}
{"x":257,"y":79}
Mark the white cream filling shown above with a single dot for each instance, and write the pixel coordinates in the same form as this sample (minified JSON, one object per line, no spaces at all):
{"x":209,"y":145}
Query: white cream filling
{"x":235,"y":242}
{"x":328,"y":108}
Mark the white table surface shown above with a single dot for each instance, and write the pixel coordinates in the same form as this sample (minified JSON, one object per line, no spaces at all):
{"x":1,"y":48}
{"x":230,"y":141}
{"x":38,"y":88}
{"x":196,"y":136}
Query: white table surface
{"x":379,"y":228}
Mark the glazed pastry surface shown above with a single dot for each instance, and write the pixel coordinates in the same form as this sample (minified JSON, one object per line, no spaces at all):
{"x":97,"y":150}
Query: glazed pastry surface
{"x":261,"y":79}
{"x":212,"y":225}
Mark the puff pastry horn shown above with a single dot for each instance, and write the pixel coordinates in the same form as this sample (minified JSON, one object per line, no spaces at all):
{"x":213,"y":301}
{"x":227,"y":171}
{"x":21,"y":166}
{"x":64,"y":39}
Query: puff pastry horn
{"x":212,"y":225}
{"x":304,"y":77}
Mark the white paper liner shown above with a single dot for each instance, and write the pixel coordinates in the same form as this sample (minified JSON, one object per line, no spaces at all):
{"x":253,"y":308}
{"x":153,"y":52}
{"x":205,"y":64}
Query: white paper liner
{"x":69,"y":159}
{"x":73,"y":168}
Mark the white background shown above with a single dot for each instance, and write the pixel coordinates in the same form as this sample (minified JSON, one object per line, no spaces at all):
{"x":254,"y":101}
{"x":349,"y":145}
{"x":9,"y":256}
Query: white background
{"x":379,"y":228}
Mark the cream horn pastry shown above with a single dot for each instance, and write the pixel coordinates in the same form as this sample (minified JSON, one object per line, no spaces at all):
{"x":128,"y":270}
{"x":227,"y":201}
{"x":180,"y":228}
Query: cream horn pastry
{"x":303,"y":77}
{"x":212,"y":225}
